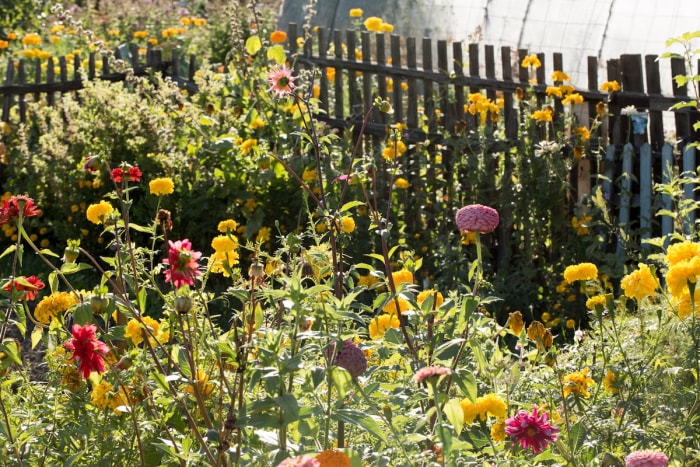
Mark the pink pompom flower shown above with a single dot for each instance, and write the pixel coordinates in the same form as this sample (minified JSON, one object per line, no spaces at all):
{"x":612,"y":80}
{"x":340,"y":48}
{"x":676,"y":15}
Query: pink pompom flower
{"x":531,"y":430}
{"x":646,"y":458}
{"x":300,"y":461}
{"x":428,"y":372}
{"x":477,"y":218}
{"x":350,"y":357}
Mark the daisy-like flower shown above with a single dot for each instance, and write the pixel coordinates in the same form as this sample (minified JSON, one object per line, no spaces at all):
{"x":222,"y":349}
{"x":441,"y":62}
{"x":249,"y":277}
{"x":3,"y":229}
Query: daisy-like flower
{"x":333,"y":458}
{"x":161,"y":186}
{"x":281,"y":81}
{"x":183,"y":263}
{"x":87,"y":350}
{"x":531,"y":430}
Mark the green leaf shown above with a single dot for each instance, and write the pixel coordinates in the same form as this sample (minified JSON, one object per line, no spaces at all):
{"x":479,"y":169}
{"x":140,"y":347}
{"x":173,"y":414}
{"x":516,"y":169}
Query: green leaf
{"x":21,"y":322}
{"x":10,"y":249}
{"x":83,"y":314}
{"x":11,"y":349}
{"x":160,"y":380}
{"x":253,"y":45}
{"x":47,"y":252}
{"x":71,"y":268}
{"x":53,"y":281}
{"x":140,"y":228}
{"x":350,"y":205}
{"x":361,"y":420}
{"x":454,"y":413}
{"x":141,"y":300}
{"x":37,"y":334}
{"x":290,"y":407}
{"x":467,"y":383}
{"x":341,"y":380}
{"x":276,"y":53}
{"x":206,"y":121}
{"x":72,"y":459}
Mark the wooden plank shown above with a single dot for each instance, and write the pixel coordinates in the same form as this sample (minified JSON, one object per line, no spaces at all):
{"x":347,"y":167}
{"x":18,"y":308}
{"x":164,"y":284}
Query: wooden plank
{"x":37,"y":77}
{"x":366,"y":45}
{"x":666,"y":200}
{"x":645,"y":187}
{"x":7,"y":98}
{"x":381,"y":77}
{"x":633,"y":80}
{"x":625,"y":198}
{"x":689,"y":168}
{"x":509,"y":115}
{"x":443,"y":88}
{"x":609,"y":170}
{"x":428,"y":85}
{"x":682,"y":120}
{"x":615,"y":126}
{"x":412,"y":104}
{"x":323,"y":81}
{"x":471,"y":121}
{"x":50,"y":96}
{"x":354,"y":97}
{"x":523,"y":72}
{"x":339,"y":110}
{"x":397,"y":94}
{"x":558,"y":65}
{"x":292,"y":36}
{"x":22,"y":80}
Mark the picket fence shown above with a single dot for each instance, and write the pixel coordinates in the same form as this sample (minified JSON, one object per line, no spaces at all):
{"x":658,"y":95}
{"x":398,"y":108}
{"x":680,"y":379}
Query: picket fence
{"x":420,"y":78}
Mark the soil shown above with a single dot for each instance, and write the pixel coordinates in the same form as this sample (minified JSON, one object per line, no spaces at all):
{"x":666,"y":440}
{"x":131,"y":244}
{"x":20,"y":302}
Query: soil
{"x":32,"y":359}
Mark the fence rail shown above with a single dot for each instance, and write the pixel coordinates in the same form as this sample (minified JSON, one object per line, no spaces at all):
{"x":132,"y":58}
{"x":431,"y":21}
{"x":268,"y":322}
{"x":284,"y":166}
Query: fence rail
{"x":427,"y":82}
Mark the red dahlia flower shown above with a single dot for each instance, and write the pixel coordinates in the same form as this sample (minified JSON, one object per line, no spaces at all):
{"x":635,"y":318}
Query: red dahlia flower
{"x":11,"y":208}
{"x":183,"y":263}
{"x":133,"y":173}
{"x":30,"y":285}
{"x":477,"y":218}
{"x":87,"y":349}
{"x":532,"y":431}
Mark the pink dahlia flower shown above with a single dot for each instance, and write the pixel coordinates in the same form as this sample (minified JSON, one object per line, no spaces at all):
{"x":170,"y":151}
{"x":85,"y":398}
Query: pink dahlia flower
{"x":281,"y":81}
{"x":87,"y":350}
{"x":430,"y":372}
{"x":646,"y":458}
{"x":183,"y":263}
{"x":531,"y":430}
{"x":477,"y":218}
{"x":350,"y":357}
{"x":300,"y":461}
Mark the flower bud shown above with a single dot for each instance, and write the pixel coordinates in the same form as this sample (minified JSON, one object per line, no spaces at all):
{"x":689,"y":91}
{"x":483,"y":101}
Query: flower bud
{"x":98,"y":304}
{"x":93,"y":163}
{"x":256,"y":270}
{"x":183,"y":304}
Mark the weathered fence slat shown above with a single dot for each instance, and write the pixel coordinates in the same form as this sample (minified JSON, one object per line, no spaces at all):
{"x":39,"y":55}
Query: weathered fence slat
{"x":625,"y":198}
{"x":666,"y":177}
{"x":645,"y":186}
{"x":689,"y":172}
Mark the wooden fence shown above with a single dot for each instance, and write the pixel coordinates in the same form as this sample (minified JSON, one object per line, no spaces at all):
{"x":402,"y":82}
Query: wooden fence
{"x":420,"y":78}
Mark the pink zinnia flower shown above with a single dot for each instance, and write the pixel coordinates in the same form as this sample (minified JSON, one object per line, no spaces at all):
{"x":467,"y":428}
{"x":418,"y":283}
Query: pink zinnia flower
{"x":30,"y":285}
{"x":531,"y":430}
{"x":646,"y":458}
{"x":300,"y":461}
{"x":477,"y":218}
{"x":350,"y":357}
{"x":12,"y":207}
{"x":183,"y":263}
{"x":429,"y":372}
{"x":87,"y":349}
{"x":281,"y":81}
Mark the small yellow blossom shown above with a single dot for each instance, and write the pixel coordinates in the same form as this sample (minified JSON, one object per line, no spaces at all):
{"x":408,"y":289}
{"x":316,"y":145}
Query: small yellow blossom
{"x":373,"y":24}
{"x":577,"y":383}
{"x":161,"y":186}
{"x":356,"y":12}
{"x":531,"y":61}
{"x":98,"y":213}
{"x":639,"y":284}
{"x":580,"y":272}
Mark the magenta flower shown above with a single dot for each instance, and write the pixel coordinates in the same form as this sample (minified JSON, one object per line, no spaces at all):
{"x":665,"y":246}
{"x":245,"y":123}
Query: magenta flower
{"x":300,"y":461}
{"x":430,"y":372}
{"x":532,"y":431}
{"x":646,"y":458}
{"x":477,"y":218}
{"x":281,"y":81}
{"x":183,"y":263}
{"x":87,"y":350}
{"x":350,"y":357}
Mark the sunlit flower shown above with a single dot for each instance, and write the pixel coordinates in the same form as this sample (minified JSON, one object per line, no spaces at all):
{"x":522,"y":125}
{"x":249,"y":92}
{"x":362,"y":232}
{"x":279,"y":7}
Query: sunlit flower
{"x":347,"y":224}
{"x":161,"y":186}
{"x":381,"y":324}
{"x":430,"y":372}
{"x":373,"y":23}
{"x":391,"y":307}
{"x":87,"y":350}
{"x":133,"y":174}
{"x":227,"y":226}
{"x":333,"y":458}
{"x":639,"y":284}
{"x":577,"y":383}
{"x":498,"y":431}
{"x":596,"y":300}
{"x":300,"y":461}
{"x":278,"y":37}
{"x":26,"y":286}
{"x":477,"y":218}
{"x":386,"y":27}
{"x":682,"y":251}
{"x":425,"y":294}
{"x":17,"y":205}
{"x":610,"y":382}
{"x":610,"y":86}
{"x":263,"y":235}
{"x":203,"y":385}
{"x":281,"y":81}
{"x":401,"y":183}
{"x":98,"y":213}
{"x":53,"y":305}
{"x":554,"y":91}
{"x":646,"y":458}
{"x":490,"y":405}
{"x":542,"y":115}
{"x":583,"y":133}
{"x":182,"y":262}
{"x":573,"y":98}
{"x":356,"y":12}
{"x":516,"y":323}
{"x":31,"y":39}
{"x":682,"y":273}
{"x":393,"y":150}
{"x":531,"y":61}
{"x":580,"y":272}
{"x":531,"y":430}
{"x":558,"y":75}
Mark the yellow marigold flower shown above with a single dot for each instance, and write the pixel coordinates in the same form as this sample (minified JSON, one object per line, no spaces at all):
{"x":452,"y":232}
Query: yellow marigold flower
{"x":402,"y":276}
{"x":257,"y":123}
{"x":135,"y":330}
{"x":468,"y":238}
{"x":580,"y":272}
{"x":12,"y":36}
{"x":98,"y":213}
{"x":570,"y":323}
{"x":680,"y":274}
{"x":516,"y":323}
{"x":347,"y":224}
{"x":554,"y":91}
{"x":185,"y":21}
{"x":601,"y":109}
{"x":531,"y":61}
{"x":682,"y":251}
{"x":583,"y":133}
{"x":437,"y":296}
{"x":390,"y":307}
{"x":542,"y":115}
{"x":263,"y":235}
{"x":199,"y":21}
{"x":639,"y":284}
{"x":373,"y":24}
{"x":610,"y":382}
{"x":223,"y":262}
{"x":558,"y":75}
{"x":4,"y":44}
{"x":226,"y":226}
{"x":53,"y":305}
{"x":248,"y":145}
{"x":683,"y":304}
{"x":380,"y":324}
{"x":250,"y":204}
{"x":610,"y":86}
{"x":203,"y":385}
{"x":153,"y":41}
{"x":485,"y":406}
{"x":401,"y":183}
{"x":309,"y":175}
{"x":498,"y":431}
{"x":367,"y":280}
{"x":31,"y":39}
{"x":330,"y":73}
{"x":101,"y":395}
{"x":573,"y":98}
{"x":393,"y":150}
{"x":333,"y":458}
{"x":224,"y":243}
{"x":278,"y":37}
{"x":386,"y":27}
{"x":577,"y":383}
{"x":140,"y":34}
{"x":356,"y":12}
{"x":161,"y":186}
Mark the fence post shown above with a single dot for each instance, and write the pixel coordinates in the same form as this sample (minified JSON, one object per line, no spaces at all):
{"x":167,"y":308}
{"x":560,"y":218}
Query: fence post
{"x":666,"y":201}
{"x":689,"y":172}
{"x":645,"y":184}
{"x":625,"y":199}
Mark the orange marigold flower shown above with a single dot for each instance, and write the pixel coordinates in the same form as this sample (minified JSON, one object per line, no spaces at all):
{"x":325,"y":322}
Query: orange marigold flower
{"x":278,"y":37}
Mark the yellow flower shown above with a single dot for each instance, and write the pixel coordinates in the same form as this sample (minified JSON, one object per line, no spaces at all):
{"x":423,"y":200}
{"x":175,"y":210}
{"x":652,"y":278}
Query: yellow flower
{"x":390,"y":307}
{"x":263,"y":235}
{"x":380,"y":324}
{"x":347,"y":224}
{"x":140,"y":34}
{"x":135,"y":330}
{"x":330,"y":73}
{"x":356,"y":12}
{"x":468,"y":238}
{"x":248,"y":145}
{"x":161,"y":186}
{"x":401,"y":183}
{"x":573,"y":98}
{"x":4,"y":44}
{"x":639,"y":284}
{"x":570,"y":323}
{"x":203,"y":385}
{"x":538,"y":333}
{"x":333,"y":458}
{"x":101,"y":395}
{"x":224,"y":243}
{"x":309,"y":175}
{"x":531,"y":61}
{"x":53,"y":305}
{"x":592,"y":302}
{"x":680,"y":274}
{"x":223,"y":262}
{"x":485,"y":406}
{"x":373,"y":24}
{"x":368,"y":280}
{"x":577,"y":383}
{"x":610,"y":382}
{"x":423,"y":296}
{"x":516,"y":323}
{"x":610,"y":86}
{"x":278,"y":37}
{"x":542,"y":115}
{"x":560,"y":76}
{"x":386,"y":27}
{"x":580,"y":272}
{"x":31,"y":39}
{"x":583,"y":133}
{"x":226,"y":226}
{"x":554,"y":91}
{"x":498,"y":431}
{"x":402,"y":276}
{"x":393,"y":150}
{"x":682,"y":251}
{"x":257,"y":123}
